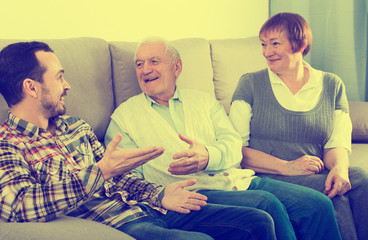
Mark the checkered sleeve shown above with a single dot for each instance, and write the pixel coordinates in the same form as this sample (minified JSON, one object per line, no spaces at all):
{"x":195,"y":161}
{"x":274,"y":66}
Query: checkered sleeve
{"x":137,"y":190}
{"x":24,"y":198}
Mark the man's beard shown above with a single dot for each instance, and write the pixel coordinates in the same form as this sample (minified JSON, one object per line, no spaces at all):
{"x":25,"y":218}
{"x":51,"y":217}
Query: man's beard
{"x":52,"y":108}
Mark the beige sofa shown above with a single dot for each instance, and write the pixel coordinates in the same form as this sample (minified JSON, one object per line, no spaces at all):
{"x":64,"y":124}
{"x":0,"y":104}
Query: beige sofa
{"x":102,"y":76}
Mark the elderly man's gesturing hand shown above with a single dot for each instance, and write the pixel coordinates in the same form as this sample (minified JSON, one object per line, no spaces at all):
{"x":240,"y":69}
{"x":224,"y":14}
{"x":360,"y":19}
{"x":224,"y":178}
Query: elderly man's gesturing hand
{"x":193,"y":160}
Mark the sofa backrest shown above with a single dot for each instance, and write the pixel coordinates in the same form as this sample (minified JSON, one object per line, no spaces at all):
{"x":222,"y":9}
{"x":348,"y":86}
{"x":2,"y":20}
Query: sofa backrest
{"x":231,"y":58}
{"x":87,"y":65}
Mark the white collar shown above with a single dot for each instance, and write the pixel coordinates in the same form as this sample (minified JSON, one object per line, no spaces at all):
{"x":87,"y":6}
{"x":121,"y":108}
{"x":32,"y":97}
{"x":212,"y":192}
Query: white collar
{"x":315,"y":77}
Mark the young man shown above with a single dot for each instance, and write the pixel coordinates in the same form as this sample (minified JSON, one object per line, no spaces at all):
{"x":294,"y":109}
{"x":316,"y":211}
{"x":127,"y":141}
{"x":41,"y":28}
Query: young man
{"x":52,"y":164}
{"x":201,"y":143}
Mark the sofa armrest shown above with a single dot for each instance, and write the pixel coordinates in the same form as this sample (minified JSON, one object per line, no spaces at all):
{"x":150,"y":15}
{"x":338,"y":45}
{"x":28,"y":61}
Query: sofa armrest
{"x":359,"y":119}
{"x":63,"y":228}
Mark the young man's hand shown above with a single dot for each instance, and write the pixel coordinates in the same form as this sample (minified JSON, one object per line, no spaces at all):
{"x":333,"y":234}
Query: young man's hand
{"x":177,"y":199}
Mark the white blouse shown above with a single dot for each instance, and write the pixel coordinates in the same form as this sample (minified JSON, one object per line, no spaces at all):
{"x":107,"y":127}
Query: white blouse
{"x":304,"y":100}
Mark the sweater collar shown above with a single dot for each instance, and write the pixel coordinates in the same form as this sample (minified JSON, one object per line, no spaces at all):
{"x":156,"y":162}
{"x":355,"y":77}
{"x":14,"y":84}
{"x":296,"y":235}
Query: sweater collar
{"x":175,"y":97}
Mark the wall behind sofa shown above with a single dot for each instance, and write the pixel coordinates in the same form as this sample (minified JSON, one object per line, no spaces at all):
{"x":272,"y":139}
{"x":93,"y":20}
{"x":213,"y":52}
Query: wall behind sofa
{"x":131,"y":20}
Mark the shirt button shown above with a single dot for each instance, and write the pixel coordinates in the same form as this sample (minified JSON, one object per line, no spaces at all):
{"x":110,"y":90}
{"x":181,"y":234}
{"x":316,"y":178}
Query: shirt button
{"x":226,"y":174}
{"x":235,"y":188}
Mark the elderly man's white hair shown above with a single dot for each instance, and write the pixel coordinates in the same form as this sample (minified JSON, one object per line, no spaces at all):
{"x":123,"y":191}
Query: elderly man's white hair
{"x":170,"y":47}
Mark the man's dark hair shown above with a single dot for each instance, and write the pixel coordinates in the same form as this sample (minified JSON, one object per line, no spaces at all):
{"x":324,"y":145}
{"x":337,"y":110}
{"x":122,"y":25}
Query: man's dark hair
{"x":17,"y":63}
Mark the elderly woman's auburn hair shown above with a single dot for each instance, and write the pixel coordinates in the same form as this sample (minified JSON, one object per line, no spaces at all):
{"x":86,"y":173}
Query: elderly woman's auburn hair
{"x":297,"y":29}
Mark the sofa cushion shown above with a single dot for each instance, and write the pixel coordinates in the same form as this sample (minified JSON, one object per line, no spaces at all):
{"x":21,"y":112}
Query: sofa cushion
{"x":63,"y":228}
{"x":197,"y":68}
{"x":359,"y":155}
{"x":231,"y":58}
{"x":359,"y":119}
{"x":88,"y":71}
{"x":123,"y":70}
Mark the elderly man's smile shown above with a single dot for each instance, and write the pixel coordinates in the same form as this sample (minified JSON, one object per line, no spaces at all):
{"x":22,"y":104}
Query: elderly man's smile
{"x":150,"y":79}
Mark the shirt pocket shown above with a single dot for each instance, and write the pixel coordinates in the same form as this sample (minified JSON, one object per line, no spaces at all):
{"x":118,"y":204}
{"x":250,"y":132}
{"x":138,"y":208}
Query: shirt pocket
{"x":81,"y":152}
{"x":52,"y":168}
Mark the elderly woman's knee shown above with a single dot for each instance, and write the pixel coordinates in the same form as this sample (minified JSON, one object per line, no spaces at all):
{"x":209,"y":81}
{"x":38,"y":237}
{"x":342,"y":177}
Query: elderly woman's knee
{"x":358,"y":177}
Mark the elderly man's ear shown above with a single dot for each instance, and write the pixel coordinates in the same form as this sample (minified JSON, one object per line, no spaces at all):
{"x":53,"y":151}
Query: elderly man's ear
{"x":178,"y":67}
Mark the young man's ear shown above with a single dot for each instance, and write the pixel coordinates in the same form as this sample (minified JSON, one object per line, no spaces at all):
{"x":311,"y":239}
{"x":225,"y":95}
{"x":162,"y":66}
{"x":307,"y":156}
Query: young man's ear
{"x":31,"y":88}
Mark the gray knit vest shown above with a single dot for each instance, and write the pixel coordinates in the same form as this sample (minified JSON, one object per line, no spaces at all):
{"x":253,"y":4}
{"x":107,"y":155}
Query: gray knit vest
{"x":289,"y":134}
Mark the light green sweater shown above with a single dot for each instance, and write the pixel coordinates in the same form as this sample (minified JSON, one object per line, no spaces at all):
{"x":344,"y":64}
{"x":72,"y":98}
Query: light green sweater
{"x":148,"y":128}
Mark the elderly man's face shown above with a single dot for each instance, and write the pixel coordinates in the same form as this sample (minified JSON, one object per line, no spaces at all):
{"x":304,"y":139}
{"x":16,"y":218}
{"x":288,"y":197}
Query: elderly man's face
{"x":156,"y":70}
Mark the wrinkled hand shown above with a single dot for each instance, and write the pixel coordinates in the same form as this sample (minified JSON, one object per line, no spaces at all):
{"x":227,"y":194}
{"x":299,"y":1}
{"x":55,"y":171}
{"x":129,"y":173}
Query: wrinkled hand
{"x":178,"y":199}
{"x":305,"y":165}
{"x":118,"y":161}
{"x":193,"y":160}
{"x":337,"y":182}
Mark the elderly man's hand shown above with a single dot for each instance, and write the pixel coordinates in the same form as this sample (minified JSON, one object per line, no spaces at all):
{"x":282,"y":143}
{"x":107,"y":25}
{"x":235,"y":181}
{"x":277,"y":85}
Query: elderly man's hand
{"x":193,"y":160}
{"x":117,"y":161}
{"x":178,"y":199}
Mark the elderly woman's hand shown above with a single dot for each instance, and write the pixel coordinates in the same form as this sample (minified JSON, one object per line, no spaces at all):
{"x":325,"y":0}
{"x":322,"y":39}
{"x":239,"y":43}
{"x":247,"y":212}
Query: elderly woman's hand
{"x":305,"y":165}
{"x":337,"y":182}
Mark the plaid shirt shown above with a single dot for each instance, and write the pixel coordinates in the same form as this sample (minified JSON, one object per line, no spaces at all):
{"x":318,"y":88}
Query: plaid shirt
{"x":44,"y":176}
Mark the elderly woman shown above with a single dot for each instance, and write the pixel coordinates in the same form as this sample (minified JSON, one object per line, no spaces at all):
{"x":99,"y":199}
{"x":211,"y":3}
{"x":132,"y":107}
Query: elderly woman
{"x":295,"y":124}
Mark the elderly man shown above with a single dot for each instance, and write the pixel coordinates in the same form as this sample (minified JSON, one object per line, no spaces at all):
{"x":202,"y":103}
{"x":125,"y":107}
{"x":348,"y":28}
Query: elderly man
{"x":52,"y":165}
{"x":201,"y":143}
